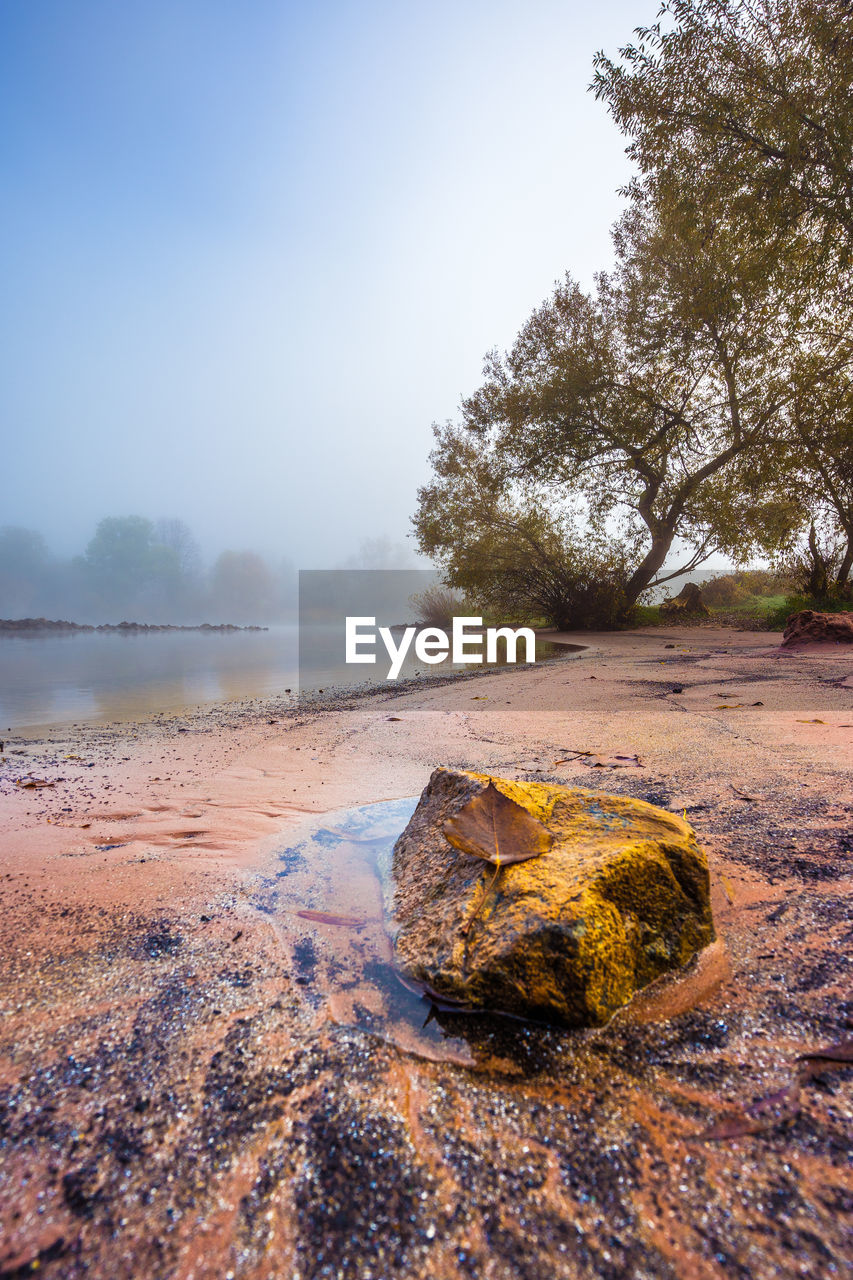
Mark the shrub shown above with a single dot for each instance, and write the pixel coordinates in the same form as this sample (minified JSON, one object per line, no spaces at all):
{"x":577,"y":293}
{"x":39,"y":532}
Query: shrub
{"x":574,"y":586}
{"x":437,"y":607}
{"x":723,"y":591}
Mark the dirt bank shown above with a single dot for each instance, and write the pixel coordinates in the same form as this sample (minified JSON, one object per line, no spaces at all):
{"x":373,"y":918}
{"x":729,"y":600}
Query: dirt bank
{"x":181,"y":1098}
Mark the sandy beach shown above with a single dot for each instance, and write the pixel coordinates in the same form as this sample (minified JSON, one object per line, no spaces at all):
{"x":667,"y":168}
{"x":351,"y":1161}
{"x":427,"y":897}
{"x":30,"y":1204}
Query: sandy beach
{"x":190,"y":1085}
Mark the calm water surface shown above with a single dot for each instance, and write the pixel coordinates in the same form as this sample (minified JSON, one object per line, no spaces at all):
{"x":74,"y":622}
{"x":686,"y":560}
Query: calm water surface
{"x":54,"y":679}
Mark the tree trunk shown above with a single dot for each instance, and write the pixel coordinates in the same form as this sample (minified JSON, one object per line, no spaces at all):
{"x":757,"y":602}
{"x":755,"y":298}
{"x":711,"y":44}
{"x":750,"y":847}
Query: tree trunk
{"x":817,"y":584}
{"x":846,"y":565}
{"x":650,"y":565}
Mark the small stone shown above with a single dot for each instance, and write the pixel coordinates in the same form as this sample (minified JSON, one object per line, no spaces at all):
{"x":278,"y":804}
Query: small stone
{"x":621,"y":897}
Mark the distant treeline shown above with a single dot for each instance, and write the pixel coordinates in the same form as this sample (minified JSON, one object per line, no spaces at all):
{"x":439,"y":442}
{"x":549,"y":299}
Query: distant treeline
{"x":140,"y":569}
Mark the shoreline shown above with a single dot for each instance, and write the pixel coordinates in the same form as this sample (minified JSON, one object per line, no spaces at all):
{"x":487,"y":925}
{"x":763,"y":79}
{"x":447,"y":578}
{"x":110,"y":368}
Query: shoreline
{"x":144,"y":940}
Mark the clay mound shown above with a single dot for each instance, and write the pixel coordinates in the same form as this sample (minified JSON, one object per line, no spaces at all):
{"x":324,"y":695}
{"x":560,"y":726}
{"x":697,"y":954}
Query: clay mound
{"x":809,"y":627}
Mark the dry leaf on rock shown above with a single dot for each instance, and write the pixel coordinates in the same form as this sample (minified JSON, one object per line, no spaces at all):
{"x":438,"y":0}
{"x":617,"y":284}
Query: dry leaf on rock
{"x":495,"y":828}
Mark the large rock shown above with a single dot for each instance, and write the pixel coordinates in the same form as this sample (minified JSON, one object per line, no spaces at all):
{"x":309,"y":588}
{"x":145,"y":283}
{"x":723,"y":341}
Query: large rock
{"x":568,"y":936}
{"x":809,"y":627}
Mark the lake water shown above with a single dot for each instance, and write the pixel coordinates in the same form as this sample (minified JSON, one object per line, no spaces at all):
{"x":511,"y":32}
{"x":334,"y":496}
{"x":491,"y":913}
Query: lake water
{"x":53,"y":679}
{"x":57,"y":679}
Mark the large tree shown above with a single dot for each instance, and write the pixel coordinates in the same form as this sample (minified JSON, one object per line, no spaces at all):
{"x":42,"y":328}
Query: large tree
{"x":126,"y":567}
{"x":747,"y":104}
{"x":742,"y":110}
{"x":663,"y":401}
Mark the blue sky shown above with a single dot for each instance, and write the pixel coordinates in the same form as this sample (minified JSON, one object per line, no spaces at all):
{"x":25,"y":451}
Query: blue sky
{"x":251,"y":251}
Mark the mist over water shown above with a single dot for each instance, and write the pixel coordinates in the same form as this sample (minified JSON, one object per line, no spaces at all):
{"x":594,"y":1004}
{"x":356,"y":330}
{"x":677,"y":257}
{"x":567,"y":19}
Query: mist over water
{"x":251,"y":253}
{"x":140,"y":570}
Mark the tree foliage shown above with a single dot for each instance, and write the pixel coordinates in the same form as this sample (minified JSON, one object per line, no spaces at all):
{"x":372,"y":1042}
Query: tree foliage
{"x":124,"y":561}
{"x":26,"y":571}
{"x":513,"y":550}
{"x":746,"y":103}
{"x":661,"y":401}
{"x":701,"y":394}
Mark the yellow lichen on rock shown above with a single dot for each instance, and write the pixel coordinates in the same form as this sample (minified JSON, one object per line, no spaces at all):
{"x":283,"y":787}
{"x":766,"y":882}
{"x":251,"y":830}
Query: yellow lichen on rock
{"x":621,"y":897}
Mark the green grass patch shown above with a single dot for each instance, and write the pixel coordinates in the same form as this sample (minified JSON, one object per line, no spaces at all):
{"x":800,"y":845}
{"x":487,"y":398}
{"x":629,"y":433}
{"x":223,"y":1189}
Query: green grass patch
{"x":645,"y":615}
{"x":795,"y":604}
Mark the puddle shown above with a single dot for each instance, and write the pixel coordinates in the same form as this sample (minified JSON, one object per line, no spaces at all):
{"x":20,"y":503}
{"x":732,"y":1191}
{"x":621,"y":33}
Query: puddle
{"x":329,"y":899}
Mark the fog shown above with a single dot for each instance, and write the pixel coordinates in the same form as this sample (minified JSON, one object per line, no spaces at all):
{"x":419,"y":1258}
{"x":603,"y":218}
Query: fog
{"x":138,"y":570}
{"x":251,"y":252}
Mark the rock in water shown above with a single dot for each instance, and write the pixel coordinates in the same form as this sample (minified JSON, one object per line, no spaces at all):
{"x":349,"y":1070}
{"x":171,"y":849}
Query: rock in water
{"x":619,"y":898}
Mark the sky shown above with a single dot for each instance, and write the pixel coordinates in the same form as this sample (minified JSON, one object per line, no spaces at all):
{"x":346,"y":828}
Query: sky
{"x":250,"y":252}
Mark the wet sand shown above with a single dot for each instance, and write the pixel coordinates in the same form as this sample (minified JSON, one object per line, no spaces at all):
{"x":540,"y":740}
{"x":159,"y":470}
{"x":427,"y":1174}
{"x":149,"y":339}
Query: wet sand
{"x":186,"y":1092}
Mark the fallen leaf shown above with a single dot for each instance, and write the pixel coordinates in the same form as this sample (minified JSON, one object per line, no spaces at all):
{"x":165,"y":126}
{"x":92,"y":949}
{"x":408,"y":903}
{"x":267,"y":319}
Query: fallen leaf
{"x":729,"y":706}
{"x":842,"y":1051}
{"x":762,"y":1115}
{"x":326,"y":917}
{"x":493,"y":827}
{"x":811,"y":722}
{"x":32,"y":784}
{"x":617,"y":762}
{"x":436,"y":999}
{"x":778,"y":912}
{"x":783,"y":1105}
{"x":397,"y":718}
{"x":742,"y":794}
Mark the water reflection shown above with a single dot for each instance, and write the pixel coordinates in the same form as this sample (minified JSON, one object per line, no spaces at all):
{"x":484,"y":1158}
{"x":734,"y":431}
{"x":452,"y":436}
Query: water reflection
{"x":51,"y":678}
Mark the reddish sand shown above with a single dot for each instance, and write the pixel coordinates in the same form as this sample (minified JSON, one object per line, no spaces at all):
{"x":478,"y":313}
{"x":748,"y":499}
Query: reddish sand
{"x":181,"y":1096}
